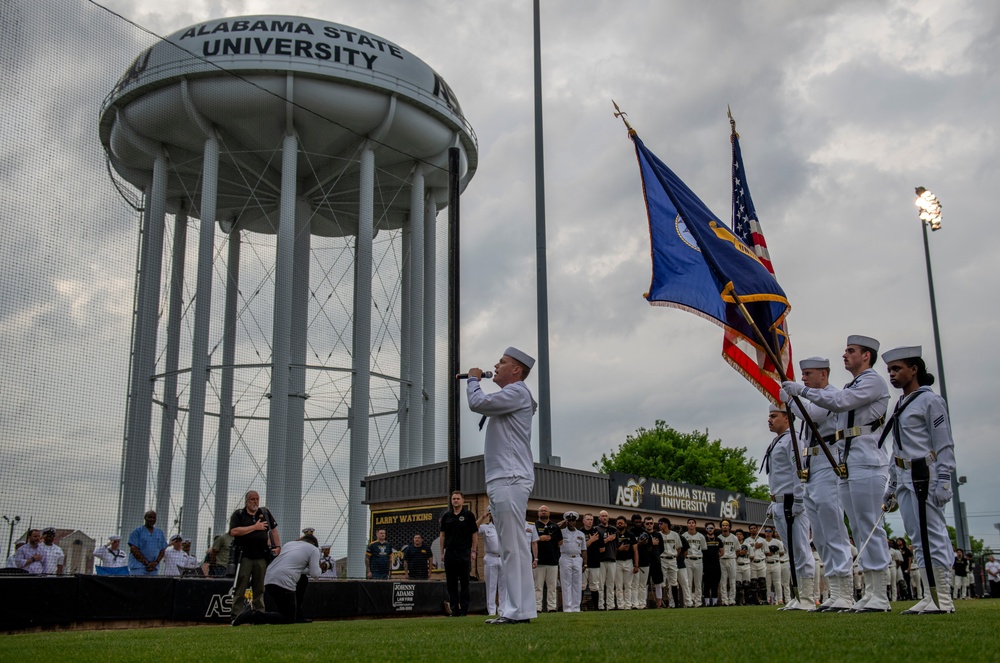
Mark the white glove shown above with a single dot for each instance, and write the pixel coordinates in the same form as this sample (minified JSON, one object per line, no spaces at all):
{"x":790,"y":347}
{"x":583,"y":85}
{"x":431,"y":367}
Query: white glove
{"x":793,"y":388}
{"x":770,"y":508}
{"x":941,"y":490}
{"x":783,"y":396}
{"x":798,"y":508}
{"x":889,"y":503}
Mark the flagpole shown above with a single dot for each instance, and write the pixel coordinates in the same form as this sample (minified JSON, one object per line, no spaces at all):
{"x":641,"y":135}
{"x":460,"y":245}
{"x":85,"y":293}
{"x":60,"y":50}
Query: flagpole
{"x":840,"y":469}
{"x":544,"y":366}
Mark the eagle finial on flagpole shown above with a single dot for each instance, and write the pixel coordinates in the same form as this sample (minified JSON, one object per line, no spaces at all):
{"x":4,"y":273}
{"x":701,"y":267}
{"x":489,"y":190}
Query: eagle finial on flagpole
{"x":620,"y":113}
{"x":732,"y":122}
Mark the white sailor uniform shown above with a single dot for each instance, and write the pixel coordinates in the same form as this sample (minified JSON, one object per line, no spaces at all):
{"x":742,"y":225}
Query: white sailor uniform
{"x":783,"y":481}
{"x":861,"y":406}
{"x":571,"y":551}
{"x":922,"y":430}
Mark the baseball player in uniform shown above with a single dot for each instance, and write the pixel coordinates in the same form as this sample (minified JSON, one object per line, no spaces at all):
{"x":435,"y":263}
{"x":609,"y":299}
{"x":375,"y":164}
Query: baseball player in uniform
{"x":758,"y":567}
{"x":572,"y":557}
{"x":727,"y":585}
{"x":784,"y":486}
{"x":772,"y":558}
{"x":823,"y":508}
{"x":668,"y":561}
{"x":627,"y":562}
{"x":924,"y":460}
{"x":862,"y":406}
{"x":693,"y":562}
{"x":592,"y":580}
{"x":609,"y":561}
{"x":742,"y":569}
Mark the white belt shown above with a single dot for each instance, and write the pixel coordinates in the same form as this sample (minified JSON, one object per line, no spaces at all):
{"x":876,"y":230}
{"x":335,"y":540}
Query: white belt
{"x":906,"y":463}
{"x":813,"y":451}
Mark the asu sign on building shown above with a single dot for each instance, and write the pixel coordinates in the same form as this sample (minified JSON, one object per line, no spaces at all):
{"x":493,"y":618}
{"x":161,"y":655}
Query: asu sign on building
{"x":632,"y":491}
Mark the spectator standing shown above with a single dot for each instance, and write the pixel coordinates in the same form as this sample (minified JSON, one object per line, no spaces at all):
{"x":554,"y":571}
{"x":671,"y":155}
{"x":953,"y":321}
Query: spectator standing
{"x":147,"y":544}
{"x":55,"y":558}
{"x":176,"y":559}
{"x":114,"y":561}
{"x":30,"y":556}
{"x":993,"y":577}
{"x":378,"y":557}
{"x":459,"y":550}
{"x":255,"y":534}
{"x":327,"y":564}
{"x":418,"y":559}
{"x":218,"y":556}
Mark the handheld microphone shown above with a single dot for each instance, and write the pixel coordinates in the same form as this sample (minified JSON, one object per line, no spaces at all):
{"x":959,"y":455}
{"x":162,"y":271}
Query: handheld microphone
{"x":465,"y":376}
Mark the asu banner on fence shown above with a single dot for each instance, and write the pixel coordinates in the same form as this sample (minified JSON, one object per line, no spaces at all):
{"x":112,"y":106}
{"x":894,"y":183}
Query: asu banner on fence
{"x":632,"y":491}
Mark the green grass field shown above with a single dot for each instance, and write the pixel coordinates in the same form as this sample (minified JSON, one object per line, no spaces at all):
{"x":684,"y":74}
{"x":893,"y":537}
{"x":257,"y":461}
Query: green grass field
{"x":717,"y":634}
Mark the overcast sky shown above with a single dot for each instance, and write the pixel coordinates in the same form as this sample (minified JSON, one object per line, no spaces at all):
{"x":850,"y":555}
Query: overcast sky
{"x":843,"y":108}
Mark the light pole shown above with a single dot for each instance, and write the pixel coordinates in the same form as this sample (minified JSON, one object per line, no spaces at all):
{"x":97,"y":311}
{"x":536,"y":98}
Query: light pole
{"x":10,"y":536}
{"x":930,"y":215}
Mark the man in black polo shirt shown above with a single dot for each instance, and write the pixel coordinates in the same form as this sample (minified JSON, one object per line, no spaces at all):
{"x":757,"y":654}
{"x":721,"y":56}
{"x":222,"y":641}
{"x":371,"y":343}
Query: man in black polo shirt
{"x":417,"y":559}
{"x":459,"y":551}
{"x":592,"y":579}
{"x":547,"y":570}
{"x":255,"y":535}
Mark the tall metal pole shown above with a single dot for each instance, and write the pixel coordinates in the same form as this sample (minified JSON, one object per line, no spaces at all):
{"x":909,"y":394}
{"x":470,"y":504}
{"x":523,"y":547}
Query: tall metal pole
{"x":961,"y":531}
{"x":544,"y":401}
{"x":454,"y":436}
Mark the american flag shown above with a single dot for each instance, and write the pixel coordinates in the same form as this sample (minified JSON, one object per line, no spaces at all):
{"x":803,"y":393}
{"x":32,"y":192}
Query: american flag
{"x":752,"y":363}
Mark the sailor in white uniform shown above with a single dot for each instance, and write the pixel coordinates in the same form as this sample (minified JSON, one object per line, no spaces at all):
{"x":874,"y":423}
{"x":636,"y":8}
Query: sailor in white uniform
{"x":785,"y":486}
{"x":861,"y":405}
{"x":572,"y":557}
{"x":924,"y":460}
{"x":823,"y":508}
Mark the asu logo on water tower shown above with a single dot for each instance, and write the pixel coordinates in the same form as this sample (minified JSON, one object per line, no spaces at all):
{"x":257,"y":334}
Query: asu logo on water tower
{"x":631,"y":493}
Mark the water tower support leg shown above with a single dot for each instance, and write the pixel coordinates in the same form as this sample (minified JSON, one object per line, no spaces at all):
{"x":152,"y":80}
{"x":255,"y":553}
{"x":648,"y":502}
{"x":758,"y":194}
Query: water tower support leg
{"x":222,"y":507}
{"x":136,"y":464}
{"x":357,"y":525}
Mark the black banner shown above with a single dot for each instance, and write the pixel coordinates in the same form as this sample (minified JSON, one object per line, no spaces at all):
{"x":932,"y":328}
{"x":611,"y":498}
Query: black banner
{"x":632,"y":491}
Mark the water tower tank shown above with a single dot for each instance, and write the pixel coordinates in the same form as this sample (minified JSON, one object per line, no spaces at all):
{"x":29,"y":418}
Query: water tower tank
{"x":289,"y":126}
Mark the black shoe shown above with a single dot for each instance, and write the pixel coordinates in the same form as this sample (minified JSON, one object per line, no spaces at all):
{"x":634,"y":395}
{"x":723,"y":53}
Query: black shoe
{"x":303,"y":620}
{"x":243,"y":618}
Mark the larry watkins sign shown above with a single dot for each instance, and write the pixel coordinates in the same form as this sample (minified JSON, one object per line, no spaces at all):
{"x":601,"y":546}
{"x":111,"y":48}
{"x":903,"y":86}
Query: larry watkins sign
{"x":631,"y":491}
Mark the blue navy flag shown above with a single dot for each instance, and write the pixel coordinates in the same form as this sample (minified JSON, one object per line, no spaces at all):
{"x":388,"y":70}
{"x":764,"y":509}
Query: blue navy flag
{"x":699,"y":264}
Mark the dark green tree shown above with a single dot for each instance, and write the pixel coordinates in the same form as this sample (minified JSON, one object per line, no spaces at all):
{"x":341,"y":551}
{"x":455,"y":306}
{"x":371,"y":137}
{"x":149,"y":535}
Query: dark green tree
{"x":667,"y":454}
